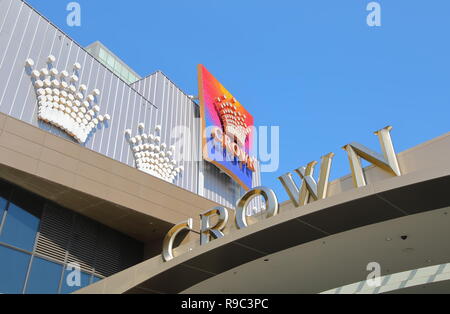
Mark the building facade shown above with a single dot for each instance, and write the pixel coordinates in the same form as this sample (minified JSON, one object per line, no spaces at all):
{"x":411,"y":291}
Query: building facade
{"x":388,"y":236}
{"x":90,"y":98}
{"x":40,"y":241}
{"x":98,"y":165}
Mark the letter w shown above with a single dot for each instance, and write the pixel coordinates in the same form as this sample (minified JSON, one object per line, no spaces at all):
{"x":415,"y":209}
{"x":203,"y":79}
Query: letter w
{"x":310,"y":188}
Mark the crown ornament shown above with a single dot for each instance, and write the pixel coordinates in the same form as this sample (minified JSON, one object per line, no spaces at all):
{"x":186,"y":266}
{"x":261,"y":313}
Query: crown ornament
{"x":152,"y":156}
{"x":65,"y":103}
{"x":233,"y":121}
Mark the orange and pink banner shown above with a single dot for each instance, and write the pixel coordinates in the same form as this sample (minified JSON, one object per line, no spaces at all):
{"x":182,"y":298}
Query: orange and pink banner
{"x":227,"y":135}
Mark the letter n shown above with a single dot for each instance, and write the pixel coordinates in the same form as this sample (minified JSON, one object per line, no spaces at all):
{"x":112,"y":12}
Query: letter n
{"x":388,"y":161}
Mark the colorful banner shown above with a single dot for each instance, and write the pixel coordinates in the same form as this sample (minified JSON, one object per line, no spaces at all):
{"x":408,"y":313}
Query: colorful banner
{"x":227,"y":134}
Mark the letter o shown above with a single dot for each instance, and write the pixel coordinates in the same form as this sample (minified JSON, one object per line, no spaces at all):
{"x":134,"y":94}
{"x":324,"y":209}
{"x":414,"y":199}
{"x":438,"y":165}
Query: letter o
{"x":236,"y":150}
{"x":217,"y":134}
{"x":269,"y":196}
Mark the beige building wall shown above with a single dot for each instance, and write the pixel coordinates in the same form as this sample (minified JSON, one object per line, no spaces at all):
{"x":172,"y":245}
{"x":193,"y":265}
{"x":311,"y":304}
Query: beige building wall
{"x":121,"y":197}
{"x":389,"y":200}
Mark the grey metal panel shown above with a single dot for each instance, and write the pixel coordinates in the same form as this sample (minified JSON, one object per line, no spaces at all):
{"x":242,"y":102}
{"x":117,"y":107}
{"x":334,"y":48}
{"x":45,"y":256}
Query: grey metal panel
{"x":5,"y":5}
{"x":8,"y":25}
{"x":38,"y":34}
{"x":101,"y":81}
{"x":218,"y":186}
{"x":154,"y":100}
{"x":175,"y":111}
{"x":8,"y":72}
{"x":25,"y":34}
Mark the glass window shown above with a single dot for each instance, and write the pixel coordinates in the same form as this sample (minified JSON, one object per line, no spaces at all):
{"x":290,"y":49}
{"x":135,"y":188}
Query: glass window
{"x":44,"y":277}
{"x":13,"y":270}
{"x":125,"y":72}
{"x":96,"y":279}
{"x":5,"y":193}
{"x":69,"y":275}
{"x":111,"y":62}
{"x":22,"y":220}
{"x":118,"y":68}
{"x":125,"y":76}
{"x":102,"y":54}
{"x":3,"y":202}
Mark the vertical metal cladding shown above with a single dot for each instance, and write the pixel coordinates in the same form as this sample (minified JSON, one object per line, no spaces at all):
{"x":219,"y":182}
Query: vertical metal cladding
{"x":179,"y":117}
{"x":154,"y":100}
{"x":25,"y":34}
{"x":219,"y":186}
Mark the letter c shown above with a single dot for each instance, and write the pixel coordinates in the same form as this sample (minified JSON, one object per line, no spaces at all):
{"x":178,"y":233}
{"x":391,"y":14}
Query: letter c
{"x":170,"y":238}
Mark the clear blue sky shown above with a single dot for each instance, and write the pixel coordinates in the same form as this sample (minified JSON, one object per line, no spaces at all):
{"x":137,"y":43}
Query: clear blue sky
{"x":312,"y":67}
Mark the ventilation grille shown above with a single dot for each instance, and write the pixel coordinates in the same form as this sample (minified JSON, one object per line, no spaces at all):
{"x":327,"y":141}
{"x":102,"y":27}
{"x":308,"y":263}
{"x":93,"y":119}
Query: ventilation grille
{"x":71,"y":238}
{"x":82,"y":248}
{"x":55,"y":233}
{"x":109,"y":261}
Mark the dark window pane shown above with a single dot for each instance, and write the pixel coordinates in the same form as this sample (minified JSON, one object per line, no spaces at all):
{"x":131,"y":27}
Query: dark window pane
{"x":22,"y":220}
{"x":13,"y":270}
{"x":44,"y":277}
{"x":5,"y":193}
{"x":3,"y":203}
{"x":66,"y":289}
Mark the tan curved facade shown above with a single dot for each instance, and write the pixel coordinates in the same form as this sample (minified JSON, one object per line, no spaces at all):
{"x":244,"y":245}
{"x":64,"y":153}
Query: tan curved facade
{"x":314,"y":242}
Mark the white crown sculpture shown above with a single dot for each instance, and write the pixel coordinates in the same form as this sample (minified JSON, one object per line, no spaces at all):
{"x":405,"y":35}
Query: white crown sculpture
{"x":232,"y":120}
{"x":62,"y":104}
{"x":152,"y":156}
